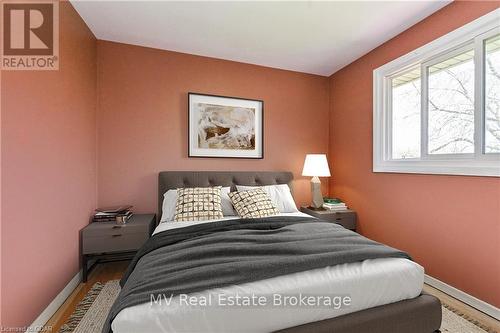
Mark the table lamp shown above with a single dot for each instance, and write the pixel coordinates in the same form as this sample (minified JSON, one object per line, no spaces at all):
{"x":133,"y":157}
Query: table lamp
{"x":316,"y":166}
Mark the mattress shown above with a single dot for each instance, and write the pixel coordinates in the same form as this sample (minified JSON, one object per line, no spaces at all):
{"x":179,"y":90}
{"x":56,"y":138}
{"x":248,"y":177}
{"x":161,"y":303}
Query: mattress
{"x":365,"y":284}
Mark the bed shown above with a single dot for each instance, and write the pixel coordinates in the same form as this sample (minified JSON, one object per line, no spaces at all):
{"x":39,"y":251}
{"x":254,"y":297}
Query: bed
{"x":386,"y":292}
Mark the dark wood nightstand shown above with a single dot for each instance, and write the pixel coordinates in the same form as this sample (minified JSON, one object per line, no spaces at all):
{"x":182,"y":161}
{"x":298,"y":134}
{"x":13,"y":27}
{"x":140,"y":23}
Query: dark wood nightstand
{"x":346,"y":218}
{"x":108,"y":241}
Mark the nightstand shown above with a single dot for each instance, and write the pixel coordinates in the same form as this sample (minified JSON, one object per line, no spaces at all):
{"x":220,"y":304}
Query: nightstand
{"x":346,"y":218}
{"x":108,"y":241}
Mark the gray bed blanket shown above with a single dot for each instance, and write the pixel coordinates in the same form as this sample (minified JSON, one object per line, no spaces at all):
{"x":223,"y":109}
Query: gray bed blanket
{"x":218,"y":254}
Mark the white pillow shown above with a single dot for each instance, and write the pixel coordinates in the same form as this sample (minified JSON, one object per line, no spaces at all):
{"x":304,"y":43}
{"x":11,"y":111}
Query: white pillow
{"x":280,"y":195}
{"x":170,"y":198}
{"x":227,"y":206}
{"x":168,"y":207}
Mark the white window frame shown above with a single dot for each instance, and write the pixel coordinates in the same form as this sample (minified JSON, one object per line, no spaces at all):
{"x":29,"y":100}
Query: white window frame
{"x":476,"y":164}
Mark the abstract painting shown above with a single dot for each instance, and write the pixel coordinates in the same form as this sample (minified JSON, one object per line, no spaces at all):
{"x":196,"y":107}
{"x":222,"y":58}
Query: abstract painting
{"x":222,"y":126}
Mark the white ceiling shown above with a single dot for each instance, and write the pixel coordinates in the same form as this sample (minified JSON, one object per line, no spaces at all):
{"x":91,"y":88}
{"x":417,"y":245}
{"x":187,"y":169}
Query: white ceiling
{"x":311,"y":37}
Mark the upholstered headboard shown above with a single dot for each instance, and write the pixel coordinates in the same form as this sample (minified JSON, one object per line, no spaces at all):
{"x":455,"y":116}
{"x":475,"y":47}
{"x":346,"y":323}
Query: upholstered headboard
{"x":174,"y":179}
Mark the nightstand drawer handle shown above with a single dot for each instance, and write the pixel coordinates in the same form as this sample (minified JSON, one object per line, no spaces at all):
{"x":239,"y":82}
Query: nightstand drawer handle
{"x":116,"y":235}
{"x":117,"y":227}
{"x":338,"y":218}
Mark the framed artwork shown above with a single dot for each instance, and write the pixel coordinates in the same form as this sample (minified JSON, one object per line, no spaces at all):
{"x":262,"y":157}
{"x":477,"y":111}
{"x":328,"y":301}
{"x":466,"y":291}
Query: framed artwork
{"x":221,"y":126}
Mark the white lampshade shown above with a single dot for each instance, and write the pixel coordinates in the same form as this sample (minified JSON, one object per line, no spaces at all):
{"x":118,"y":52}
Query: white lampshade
{"x":316,"y":165}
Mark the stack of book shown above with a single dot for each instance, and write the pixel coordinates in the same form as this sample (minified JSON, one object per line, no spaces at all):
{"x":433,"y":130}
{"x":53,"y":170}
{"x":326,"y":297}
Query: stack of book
{"x":334,"y":204}
{"x":110,"y":214}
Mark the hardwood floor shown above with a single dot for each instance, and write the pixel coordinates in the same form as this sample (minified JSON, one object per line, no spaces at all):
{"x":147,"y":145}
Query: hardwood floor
{"x":114,"y":270}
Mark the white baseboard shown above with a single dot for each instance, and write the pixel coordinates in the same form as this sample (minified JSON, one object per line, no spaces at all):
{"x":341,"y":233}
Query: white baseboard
{"x":476,"y":303}
{"x":56,"y":303}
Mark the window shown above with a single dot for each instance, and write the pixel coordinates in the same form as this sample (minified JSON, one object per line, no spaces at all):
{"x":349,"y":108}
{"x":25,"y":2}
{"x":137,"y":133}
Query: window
{"x":406,"y":115}
{"x":437,"y":109}
{"x":450,"y":104}
{"x":492,"y":95}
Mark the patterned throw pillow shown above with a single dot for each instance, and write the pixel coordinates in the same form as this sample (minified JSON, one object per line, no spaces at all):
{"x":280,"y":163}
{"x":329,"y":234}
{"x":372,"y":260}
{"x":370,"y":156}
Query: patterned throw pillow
{"x":198,"y":204}
{"x":253,"y":204}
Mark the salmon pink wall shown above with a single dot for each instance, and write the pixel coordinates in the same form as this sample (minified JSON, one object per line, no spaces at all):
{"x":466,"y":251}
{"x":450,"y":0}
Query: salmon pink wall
{"x":1,"y":200}
{"x":48,"y":170}
{"x":450,"y":224}
{"x":100,"y":129}
{"x":142,"y":118}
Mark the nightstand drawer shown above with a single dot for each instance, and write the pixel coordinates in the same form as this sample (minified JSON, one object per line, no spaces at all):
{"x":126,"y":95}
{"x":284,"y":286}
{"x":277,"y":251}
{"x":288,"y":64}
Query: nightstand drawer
{"x":111,"y":228}
{"x":347,"y":220}
{"x":113,"y":242}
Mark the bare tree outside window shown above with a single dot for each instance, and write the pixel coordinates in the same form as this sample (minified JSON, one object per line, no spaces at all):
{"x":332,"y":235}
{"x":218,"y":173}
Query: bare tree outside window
{"x":406,"y":115}
{"x":492,"y":95}
{"x":450,"y":106}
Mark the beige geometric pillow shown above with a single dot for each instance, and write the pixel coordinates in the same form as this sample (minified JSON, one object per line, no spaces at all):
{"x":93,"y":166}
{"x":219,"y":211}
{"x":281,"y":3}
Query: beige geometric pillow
{"x":198,"y":203}
{"x":253,"y":204}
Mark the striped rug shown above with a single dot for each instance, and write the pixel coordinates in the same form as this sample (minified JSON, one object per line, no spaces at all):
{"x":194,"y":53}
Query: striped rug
{"x":91,"y":312}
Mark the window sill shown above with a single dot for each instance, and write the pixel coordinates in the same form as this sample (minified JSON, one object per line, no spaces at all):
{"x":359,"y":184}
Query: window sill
{"x":461,"y":168}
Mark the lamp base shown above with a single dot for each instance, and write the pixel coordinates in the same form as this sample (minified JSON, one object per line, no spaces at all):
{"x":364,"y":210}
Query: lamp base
{"x":317,"y":198}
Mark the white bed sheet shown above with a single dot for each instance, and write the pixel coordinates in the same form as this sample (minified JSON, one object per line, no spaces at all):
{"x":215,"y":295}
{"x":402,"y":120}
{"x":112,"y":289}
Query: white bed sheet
{"x":174,"y":225}
{"x":368,"y":284}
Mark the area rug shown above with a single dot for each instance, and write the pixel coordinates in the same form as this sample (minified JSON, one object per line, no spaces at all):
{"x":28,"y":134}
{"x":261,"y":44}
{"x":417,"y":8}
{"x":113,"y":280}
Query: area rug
{"x":91,"y":312}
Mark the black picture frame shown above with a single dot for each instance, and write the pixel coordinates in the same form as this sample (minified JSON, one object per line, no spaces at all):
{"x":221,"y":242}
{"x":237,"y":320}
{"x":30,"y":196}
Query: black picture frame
{"x":229,"y":153}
